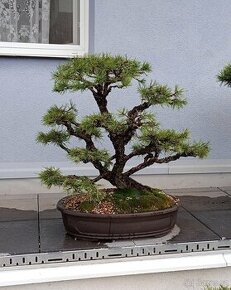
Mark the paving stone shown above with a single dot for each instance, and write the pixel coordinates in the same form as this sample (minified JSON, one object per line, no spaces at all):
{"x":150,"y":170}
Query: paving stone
{"x":50,"y":214}
{"x":47,"y":205}
{"x":12,"y":214}
{"x":18,"y":196}
{"x":53,"y":238}
{"x":21,"y":204}
{"x":226,"y":189}
{"x":210,"y":192}
{"x":19,"y":237}
{"x":24,"y":186}
{"x":217,"y":220}
{"x":194,"y":189}
{"x":120,"y":243}
{"x":191,"y":230}
{"x":204,"y":203}
{"x":154,"y":241}
{"x":49,"y":201}
{"x":18,"y":207}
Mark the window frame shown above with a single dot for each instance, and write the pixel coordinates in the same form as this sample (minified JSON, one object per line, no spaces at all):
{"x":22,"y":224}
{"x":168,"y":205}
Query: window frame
{"x":53,"y":50}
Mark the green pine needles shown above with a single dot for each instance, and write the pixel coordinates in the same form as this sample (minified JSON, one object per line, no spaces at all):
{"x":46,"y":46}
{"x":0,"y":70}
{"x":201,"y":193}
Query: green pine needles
{"x":218,"y":288}
{"x":135,"y":128}
{"x":224,"y":77}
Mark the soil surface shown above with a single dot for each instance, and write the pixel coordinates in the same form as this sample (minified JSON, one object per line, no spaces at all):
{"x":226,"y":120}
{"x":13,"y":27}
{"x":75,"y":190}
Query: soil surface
{"x":80,"y":203}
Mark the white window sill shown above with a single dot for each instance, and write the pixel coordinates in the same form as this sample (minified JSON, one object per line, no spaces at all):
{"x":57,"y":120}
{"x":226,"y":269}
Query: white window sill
{"x":53,"y":50}
{"x":113,"y":268}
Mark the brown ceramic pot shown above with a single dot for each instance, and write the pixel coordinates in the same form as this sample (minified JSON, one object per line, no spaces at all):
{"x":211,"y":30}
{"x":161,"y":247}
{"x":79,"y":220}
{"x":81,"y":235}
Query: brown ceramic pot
{"x":118,"y":226}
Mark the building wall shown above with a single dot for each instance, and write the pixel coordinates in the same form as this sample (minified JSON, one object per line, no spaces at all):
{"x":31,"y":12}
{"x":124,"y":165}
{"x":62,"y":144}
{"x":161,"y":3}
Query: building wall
{"x":186,"y":42}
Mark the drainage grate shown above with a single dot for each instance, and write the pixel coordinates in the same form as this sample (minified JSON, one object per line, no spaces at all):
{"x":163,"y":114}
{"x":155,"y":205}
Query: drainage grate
{"x":7,"y":260}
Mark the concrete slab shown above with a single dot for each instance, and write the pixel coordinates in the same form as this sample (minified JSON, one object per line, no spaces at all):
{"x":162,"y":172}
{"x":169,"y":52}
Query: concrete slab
{"x":154,"y":241}
{"x":120,"y":243}
{"x":216,"y":220}
{"x":204,"y":203}
{"x":53,"y":238}
{"x":24,"y":186}
{"x":193,"y":189}
{"x":15,"y":207}
{"x":20,"y":204}
{"x":50,"y":214}
{"x":47,"y":205}
{"x":191,"y":230}
{"x":213,"y":192}
{"x":49,"y":201}
{"x":19,"y":237}
{"x":17,"y":196}
{"x":226,"y":189}
{"x":12,"y":214}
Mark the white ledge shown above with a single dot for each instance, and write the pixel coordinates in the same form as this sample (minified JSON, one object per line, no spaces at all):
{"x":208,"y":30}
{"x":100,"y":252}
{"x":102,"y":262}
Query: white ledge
{"x":111,"y":268}
{"x":182,"y":166}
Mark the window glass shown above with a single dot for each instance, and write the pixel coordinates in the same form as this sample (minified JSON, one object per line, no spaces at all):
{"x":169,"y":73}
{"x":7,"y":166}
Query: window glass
{"x":40,"y":21}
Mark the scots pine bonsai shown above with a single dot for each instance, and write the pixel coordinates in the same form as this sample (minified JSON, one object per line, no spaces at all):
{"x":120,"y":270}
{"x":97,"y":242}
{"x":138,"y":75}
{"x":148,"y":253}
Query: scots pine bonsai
{"x":133,"y":132}
{"x":224,"y":77}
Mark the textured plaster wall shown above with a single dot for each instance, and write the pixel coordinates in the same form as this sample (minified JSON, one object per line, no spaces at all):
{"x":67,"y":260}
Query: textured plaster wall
{"x":187,"y":43}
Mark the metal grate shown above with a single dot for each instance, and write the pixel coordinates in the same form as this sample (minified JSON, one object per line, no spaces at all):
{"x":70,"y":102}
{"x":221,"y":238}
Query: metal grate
{"x":7,"y":260}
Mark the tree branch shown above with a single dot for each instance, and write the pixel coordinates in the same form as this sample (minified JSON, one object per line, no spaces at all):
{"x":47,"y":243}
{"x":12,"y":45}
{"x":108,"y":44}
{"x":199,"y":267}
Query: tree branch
{"x":97,"y":178}
{"x":64,"y":148}
{"x":133,"y":121}
{"x":89,"y":144}
{"x":142,"y":151}
{"x":137,"y":109}
{"x":150,"y":161}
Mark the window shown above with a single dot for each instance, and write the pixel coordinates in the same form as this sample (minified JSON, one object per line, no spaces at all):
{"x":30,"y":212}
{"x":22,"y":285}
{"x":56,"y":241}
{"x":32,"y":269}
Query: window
{"x":56,"y":28}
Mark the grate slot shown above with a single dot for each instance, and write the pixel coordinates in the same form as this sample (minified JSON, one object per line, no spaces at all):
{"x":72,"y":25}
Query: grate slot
{"x":171,"y":251}
{"x":114,"y":255}
{"x":223,"y":247}
{"x":55,"y":260}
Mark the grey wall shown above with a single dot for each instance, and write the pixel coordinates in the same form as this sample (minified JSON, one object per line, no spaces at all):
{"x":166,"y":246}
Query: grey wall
{"x":187,"y":43}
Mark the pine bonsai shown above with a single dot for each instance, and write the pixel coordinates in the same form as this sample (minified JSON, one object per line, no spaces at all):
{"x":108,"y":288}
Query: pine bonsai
{"x":133,"y":133}
{"x":224,"y":77}
{"x":218,"y":288}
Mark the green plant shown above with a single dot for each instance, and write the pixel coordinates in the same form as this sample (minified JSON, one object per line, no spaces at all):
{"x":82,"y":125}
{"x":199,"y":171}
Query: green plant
{"x":218,"y":288}
{"x":136,"y":127}
{"x":224,"y":77}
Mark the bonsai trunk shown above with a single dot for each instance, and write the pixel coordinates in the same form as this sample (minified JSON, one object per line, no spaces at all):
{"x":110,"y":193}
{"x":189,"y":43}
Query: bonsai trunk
{"x":123,"y":182}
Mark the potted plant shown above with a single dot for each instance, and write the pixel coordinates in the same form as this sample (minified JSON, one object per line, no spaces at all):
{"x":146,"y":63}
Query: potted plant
{"x":129,"y":209}
{"x":224,"y":77}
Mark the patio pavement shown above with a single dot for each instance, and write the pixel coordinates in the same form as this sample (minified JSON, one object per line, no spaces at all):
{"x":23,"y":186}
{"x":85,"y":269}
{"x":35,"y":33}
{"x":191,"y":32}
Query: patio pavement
{"x":30,"y":223}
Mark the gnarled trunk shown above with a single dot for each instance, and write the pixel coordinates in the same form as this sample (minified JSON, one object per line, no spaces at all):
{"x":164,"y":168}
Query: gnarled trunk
{"x":123,"y":182}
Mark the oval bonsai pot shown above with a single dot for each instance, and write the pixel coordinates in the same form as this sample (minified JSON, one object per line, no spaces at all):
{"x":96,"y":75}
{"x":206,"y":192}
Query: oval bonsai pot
{"x":118,"y":226}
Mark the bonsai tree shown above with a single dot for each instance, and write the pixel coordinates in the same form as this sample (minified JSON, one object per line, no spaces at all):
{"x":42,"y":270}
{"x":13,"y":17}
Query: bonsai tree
{"x":224,"y":77}
{"x":133,"y":132}
{"x":218,"y":288}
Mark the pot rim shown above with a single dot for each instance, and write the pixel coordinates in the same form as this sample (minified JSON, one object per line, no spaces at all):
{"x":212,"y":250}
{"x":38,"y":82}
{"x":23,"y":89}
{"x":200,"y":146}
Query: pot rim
{"x":61,"y":208}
